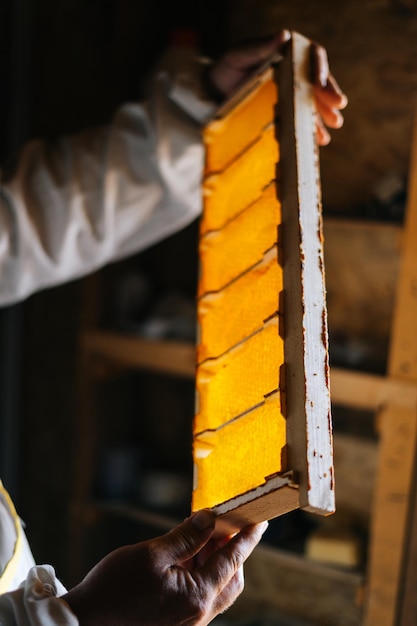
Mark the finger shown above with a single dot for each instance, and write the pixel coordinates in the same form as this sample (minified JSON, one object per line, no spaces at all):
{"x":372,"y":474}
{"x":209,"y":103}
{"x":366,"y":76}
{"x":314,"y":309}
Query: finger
{"x":222,"y":565}
{"x":330,"y":116}
{"x":319,"y":65}
{"x":331,"y":94}
{"x":322,"y":135}
{"x":205,"y":552}
{"x":185,"y":540}
{"x":235,"y":66}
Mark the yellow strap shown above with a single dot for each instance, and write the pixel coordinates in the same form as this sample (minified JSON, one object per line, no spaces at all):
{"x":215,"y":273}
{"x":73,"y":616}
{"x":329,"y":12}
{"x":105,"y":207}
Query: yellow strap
{"x":9,"y":572}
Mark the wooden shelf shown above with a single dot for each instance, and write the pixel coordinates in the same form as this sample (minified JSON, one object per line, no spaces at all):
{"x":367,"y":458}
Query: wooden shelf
{"x":175,"y":358}
{"x":359,"y":389}
{"x":296,"y":586}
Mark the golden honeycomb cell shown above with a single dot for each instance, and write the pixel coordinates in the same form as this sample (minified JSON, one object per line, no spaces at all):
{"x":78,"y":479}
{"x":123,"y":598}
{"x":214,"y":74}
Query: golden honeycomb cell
{"x":227,"y":253}
{"x":240,"y":455}
{"x":227,"y":137}
{"x":228,"y":193}
{"x":229,"y":316}
{"x":239,"y":380}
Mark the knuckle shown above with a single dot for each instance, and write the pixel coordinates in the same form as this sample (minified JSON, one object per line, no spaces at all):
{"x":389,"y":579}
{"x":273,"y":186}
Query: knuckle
{"x":180,"y":538}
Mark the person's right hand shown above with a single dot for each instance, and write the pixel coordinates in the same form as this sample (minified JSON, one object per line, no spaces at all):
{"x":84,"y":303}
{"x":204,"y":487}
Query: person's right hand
{"x":171,"y":580}
{"x":231,"y":71}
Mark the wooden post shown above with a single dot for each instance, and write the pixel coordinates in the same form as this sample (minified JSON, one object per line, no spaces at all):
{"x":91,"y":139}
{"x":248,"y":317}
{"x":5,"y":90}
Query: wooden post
{"x":390,"y":513}
{"x":392,"y":507}
{"x":403,"y":353}
{"x":403,"y":362}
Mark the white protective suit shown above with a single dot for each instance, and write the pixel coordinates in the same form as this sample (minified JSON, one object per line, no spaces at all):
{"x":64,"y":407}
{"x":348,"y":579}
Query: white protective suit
{"x":70,"y":209}
{"x":104,"y":194}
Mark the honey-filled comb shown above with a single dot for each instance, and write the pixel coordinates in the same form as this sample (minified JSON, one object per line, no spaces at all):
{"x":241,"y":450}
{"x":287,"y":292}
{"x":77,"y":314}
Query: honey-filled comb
{"x":262,"y":440}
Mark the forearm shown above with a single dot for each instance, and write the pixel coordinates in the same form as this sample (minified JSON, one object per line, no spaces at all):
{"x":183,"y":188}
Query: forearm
{"x":98,"y":197}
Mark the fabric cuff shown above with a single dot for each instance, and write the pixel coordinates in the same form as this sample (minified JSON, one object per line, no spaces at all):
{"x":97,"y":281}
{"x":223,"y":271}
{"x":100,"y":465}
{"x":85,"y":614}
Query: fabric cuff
{"x":36,"y":602}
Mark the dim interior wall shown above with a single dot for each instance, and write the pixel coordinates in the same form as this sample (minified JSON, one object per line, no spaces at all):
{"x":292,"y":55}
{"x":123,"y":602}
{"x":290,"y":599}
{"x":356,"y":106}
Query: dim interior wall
{"x":372,"y":47}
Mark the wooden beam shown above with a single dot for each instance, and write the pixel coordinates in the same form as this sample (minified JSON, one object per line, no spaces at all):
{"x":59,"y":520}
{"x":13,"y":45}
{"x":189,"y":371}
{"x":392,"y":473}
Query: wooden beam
{"x":403,"y":362}
{"x":392,"y":510}
{"x":403,"y":355}
{"x":165,"y":357}
{"x":408,"y":609}
{"x":368,"y":391}
{"x":390,"y":513}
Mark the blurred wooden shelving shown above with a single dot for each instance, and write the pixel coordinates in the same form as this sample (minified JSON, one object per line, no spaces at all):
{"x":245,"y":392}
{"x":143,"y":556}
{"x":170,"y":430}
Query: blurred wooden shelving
{"x":175,"y":358}
{"x":363,"y":265}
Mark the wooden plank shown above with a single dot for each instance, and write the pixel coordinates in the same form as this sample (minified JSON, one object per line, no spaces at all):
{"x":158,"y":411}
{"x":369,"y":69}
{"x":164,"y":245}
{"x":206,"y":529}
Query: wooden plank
{"x":403,"y":362}
{"x":305,"y":315}
{"x":390,"y":516}
{"x":350,"y":388}
{"x":403,"y":355}
{"x":368,"y":391}
{"x":166,"y":357}
{"x":408,"y":609}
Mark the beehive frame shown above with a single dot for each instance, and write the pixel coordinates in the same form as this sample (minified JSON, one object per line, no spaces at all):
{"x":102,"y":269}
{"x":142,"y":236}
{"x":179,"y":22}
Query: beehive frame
{"x":262,"y":431}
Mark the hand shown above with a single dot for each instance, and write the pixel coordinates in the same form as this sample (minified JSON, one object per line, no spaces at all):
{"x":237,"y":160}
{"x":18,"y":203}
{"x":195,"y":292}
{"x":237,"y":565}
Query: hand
{"x":182,"y":577}
{"x":330,"y":99}
{"x":237,"y":65}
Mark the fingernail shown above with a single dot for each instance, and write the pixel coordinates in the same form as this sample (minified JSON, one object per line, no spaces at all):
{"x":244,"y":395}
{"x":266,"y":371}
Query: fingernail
{"x":323,"y":78}
{"x":203,"y":519}
{"x":343,"y":101}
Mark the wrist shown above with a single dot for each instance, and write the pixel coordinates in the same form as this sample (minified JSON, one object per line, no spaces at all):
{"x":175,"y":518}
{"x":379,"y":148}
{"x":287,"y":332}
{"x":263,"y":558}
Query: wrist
{"x":79,"y":605}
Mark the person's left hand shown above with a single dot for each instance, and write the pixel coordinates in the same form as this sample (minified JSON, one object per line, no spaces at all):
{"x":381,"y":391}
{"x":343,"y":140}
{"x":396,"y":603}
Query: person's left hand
{"x":236,"y":66}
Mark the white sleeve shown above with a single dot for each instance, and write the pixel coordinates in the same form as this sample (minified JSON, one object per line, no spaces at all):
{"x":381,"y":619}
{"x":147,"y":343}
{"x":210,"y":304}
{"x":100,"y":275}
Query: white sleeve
{"x":36,"y":602}
{"x":102,"y":195}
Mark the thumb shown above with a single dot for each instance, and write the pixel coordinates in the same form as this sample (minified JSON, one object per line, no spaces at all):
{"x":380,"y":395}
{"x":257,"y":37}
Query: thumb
{"x":185,"y":540}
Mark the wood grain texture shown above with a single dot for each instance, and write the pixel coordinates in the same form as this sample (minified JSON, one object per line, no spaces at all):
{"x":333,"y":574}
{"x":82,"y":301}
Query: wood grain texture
{"x":369,"y":391}
{"x":408,"y":609}
{"x":390,"y":517}
{"x":403,"y":356}
{"x":393,"y":501}
{"x":169,"y":357}
{"x":305,"y":314}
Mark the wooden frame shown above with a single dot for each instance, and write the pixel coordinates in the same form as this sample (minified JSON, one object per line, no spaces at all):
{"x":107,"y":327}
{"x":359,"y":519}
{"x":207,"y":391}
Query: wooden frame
{"x":386,"y":594}
{"x":244,"y":141}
